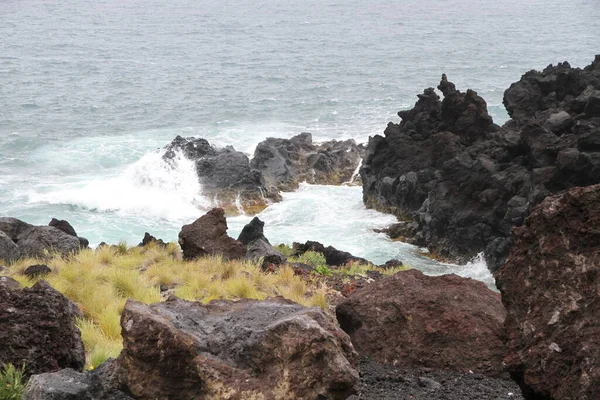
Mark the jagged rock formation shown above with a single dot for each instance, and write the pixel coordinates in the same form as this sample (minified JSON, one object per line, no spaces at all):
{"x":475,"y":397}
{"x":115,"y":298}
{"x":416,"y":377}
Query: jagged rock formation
{"x":287,"y":162}
{"x":549,"y":286}
{"x":208,"y":236}
{"x":37,"y":328}
{"x":225,"y":174}
{"x":465,"y":181}
{"x":333,"y":256}
{"x":412,"y":321}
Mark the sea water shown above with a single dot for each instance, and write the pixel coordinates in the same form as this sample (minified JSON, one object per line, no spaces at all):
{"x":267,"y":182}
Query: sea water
{"x":90,"y":92}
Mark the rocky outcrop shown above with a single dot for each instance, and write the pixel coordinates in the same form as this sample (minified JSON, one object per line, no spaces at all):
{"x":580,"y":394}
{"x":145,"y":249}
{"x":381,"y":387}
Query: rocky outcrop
{"x":37,"y":328}
{"x":149,"y":239}
{"x":259,"y":249}
{"x":271,"y":349}
{"x":41,"y":240}
{"x":466,"y":182}
{"x":412,"y":321}
{"x":332,"y":255}
{"x":37,"y":270}
{"x":252,"y":231}
{"x":225,"y":174}
{"x":285,"y":163}
{"x":549,"y":286}
{"x":37,"y":241}
{"x":208,"y":236}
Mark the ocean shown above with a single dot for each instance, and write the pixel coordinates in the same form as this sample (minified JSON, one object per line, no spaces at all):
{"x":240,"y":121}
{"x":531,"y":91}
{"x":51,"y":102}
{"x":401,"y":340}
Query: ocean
{"x":91,"y":91}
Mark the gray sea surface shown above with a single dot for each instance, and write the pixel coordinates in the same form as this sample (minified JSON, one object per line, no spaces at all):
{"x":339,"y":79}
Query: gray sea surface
{"x":89,"y":91}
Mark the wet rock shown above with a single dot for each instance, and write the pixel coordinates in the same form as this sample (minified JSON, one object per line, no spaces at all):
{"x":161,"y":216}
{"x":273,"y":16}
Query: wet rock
{"x":39,"y":240}
{"x":234,"y":350}
{"x":37,"y":328}
{"x":549,"y":287}
{"x":332,"y":255}
{"x":413,"y":321}
{"x":9,"y":251}
{"x":225,"y":174}
{"x":286,"y":162}
{"x":393,"y":263}
{"x":463,"y":182}
{"x":252,"y":231}
{"x":34,"y":271}
{"x":148,"y":238}
{"x":208,"y":236}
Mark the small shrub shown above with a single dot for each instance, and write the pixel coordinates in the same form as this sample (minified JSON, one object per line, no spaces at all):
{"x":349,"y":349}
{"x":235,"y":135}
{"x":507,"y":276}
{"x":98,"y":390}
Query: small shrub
{"x":11,"y":382}
{"x":323,"y":270}
{"x":311,"y":258}
{"x":285,"y":250}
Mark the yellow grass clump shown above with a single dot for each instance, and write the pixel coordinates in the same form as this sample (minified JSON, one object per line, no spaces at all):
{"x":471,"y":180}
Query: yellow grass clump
{"x":100,"y":281}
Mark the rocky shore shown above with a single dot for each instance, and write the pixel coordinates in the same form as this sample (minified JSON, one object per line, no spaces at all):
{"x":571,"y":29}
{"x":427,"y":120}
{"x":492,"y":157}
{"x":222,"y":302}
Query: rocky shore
{"x":460,"y":183}
{"x":215,"y":317}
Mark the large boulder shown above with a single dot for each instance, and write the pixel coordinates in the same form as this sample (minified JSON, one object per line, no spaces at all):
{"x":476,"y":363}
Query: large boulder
{"x":285,"y":163}
{"x":550,"y":286}
{"x":466,"y":182}
{"x":208,"y":236}
{"x":63,"y":225}
{"x":14,"y":228}
{"x":259,"y":249}
{"x":411,"y":320}
{"x":252,"y":231}
{"x":271,"y":349}
{"x":37,"y":328}
{"x":39,"y":240}
{"x":225,"y":174}
{"x":9,"y":251}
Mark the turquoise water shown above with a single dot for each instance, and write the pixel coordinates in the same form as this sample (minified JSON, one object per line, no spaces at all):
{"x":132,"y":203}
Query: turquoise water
{"x":89,"y":91}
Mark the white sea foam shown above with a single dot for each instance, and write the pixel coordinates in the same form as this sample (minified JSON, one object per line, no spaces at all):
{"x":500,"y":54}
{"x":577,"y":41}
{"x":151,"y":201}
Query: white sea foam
{"x":149,"y":188}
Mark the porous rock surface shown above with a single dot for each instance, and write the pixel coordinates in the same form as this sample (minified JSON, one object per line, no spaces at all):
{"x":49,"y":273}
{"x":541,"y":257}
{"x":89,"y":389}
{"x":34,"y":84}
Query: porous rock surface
{"x":37,"y":328}
{"x":285,"y":163}
{"x":250,"y":349}
{"x":550,"y":286}
{"x":208,"y":236}
{"x":411,"y":321}
{"x":465,"y":181}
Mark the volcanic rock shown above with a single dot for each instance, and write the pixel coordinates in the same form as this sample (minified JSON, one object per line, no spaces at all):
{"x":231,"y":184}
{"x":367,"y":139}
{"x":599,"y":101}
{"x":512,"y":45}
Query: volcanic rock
{"x":464,"y":181}
{"x":271,"y":349}
{"x":549,"y":286}
{"x":286,"y":162}
{"x":252,"y":231}
{"x":9,"y":251}
{"x":225,"y":174}
{"x":34,"y":271}
{"x":63,"y":225}
{"x":332,"y":255}
{"x":37,"y":328}
{"x":14,"y":228}
{"x":208,"y":236}
{"x":260,"y":249}
{"x":148,"y":238}
{"x":412,"y":321}
{"x":40,"y":239}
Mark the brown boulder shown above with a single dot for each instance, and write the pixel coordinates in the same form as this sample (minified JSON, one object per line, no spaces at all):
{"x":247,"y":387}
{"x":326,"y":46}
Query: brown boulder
{"x":550,"y":287}
{"x":250,"y":349}
{"x":411,"y":320}
{"x":208,"y":236}
{"x":37,"y":328}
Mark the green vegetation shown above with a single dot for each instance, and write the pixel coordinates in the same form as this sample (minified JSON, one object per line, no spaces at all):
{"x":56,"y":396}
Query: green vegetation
{"x":323,"y":270}
{"x":285,"y":250}
{"x":11,"y":382}
{"x":311,"y":258}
